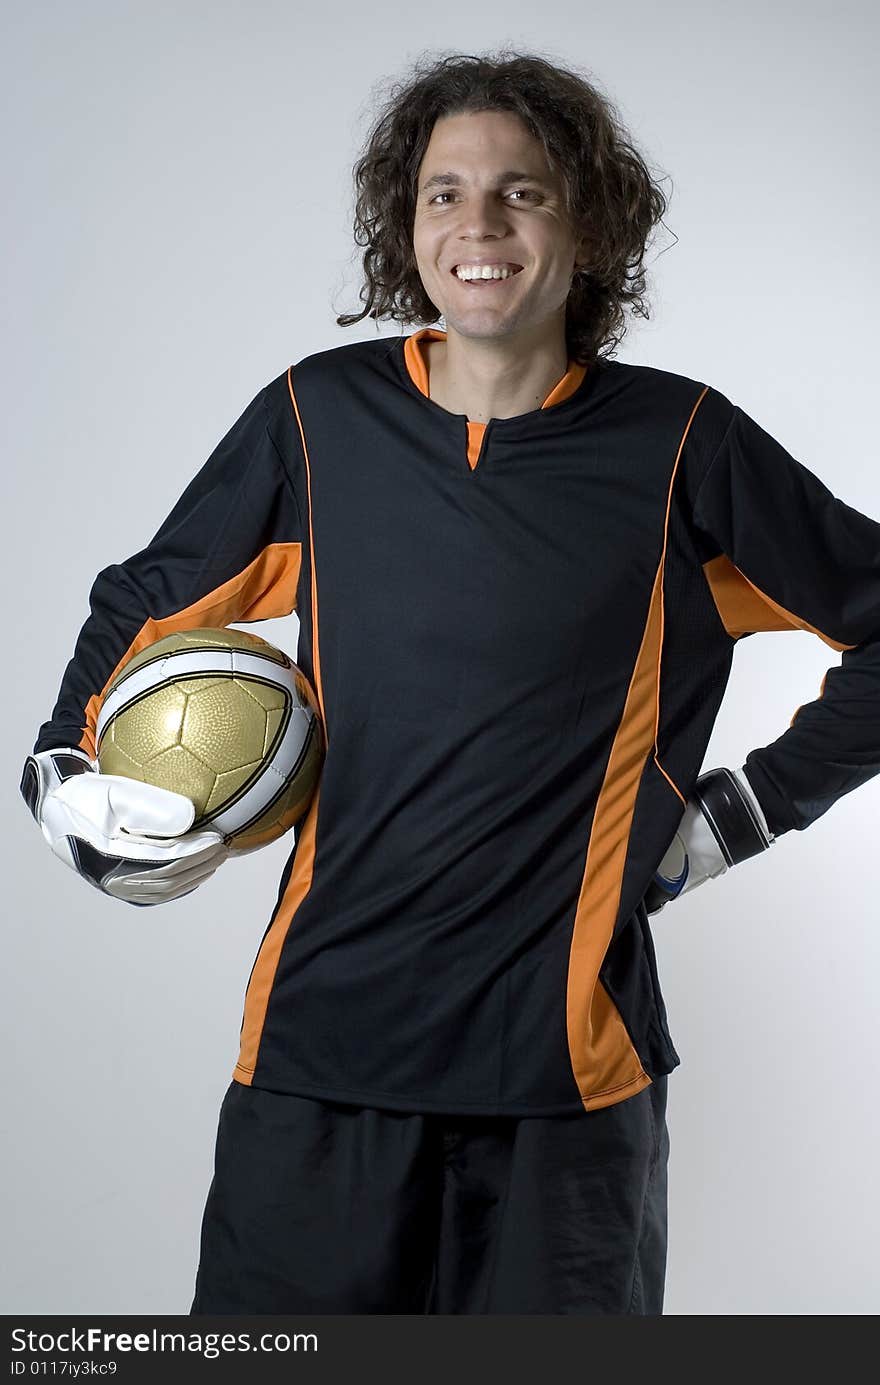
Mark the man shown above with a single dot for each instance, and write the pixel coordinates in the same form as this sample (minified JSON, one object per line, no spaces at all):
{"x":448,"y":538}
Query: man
{"x":520,"y":569}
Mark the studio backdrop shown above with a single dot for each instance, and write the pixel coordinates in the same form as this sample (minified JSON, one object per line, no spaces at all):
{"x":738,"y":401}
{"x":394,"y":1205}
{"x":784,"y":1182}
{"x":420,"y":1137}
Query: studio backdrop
{"x":178,"y":233}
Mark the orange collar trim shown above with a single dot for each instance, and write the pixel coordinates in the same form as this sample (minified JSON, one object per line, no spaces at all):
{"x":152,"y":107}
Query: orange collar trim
{"x":417,"y":367}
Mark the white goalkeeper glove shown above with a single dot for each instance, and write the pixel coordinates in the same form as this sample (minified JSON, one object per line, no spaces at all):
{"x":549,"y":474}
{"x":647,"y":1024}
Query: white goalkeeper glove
{"x":723,"y":824}
{"x":128,"y":839}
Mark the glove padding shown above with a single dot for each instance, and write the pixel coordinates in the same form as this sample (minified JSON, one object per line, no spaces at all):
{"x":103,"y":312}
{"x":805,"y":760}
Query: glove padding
{"x":722,"y":825}
{"x":127,"y":838}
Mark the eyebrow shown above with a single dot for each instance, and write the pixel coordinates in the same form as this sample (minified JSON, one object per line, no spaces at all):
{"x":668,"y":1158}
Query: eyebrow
{"x":446,"y":180}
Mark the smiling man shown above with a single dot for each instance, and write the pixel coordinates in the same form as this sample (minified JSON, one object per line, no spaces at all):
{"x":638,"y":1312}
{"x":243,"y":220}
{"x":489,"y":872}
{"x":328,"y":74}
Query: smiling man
{"x":496,"y":252}
{"x":520,"y":568}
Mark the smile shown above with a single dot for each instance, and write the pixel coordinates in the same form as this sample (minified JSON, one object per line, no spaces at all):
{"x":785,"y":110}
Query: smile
{"x":499,"y":269}
{"x":484,"y":274}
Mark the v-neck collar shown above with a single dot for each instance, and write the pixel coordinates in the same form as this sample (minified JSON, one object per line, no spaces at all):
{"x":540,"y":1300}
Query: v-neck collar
{"x":416,"y":362}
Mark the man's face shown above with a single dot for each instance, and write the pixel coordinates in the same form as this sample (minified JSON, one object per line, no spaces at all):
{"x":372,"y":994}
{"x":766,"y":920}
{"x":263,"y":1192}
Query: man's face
{"x":481,"y":211}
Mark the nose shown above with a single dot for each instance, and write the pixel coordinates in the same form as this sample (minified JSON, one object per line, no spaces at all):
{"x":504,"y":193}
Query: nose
{"x":481,"y":214}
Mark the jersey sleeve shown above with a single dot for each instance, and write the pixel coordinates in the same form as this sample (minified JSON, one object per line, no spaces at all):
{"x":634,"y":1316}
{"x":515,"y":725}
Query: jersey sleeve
{"x":792,"y":555}
{"x":229,"y":551}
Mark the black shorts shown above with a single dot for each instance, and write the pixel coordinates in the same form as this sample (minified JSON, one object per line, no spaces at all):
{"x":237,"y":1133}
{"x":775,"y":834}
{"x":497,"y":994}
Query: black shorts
{"x":324,"y":1207}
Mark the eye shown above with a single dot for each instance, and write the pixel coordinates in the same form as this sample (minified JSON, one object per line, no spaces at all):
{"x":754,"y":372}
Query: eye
{"x":528,"y":192}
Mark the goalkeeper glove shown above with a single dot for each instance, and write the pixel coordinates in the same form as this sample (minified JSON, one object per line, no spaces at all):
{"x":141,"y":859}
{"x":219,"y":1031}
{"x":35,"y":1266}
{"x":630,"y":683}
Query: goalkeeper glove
{"x":128,"y":839}
{"x":723,"y":824}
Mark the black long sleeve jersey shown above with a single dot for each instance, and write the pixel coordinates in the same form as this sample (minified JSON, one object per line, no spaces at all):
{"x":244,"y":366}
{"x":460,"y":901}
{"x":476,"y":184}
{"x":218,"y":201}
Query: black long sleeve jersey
{"x":519,"y":633}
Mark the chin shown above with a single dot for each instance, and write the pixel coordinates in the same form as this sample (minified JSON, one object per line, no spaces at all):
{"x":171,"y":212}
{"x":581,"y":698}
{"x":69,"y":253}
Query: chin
{"x":475,"y":326}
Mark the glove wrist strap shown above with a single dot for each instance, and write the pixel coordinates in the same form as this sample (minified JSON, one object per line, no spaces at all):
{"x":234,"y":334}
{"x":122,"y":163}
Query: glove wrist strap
{"x":733,"y":814}
{"x":45,"y":770}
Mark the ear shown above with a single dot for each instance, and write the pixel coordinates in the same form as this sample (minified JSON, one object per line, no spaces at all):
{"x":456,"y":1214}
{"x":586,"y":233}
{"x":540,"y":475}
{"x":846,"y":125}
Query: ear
{"x":582,"y":254}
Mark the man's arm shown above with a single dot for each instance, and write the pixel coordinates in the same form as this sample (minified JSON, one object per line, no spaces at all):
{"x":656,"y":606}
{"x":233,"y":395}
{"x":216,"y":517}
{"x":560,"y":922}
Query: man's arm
{"x":230,"y":550}
{"x":791,"y":554}
{"x":788,"y":554}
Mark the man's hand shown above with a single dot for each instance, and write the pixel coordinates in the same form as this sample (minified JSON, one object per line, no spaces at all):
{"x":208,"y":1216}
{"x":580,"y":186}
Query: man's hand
{"x":128,"y":839}
{"x":722,"y":825}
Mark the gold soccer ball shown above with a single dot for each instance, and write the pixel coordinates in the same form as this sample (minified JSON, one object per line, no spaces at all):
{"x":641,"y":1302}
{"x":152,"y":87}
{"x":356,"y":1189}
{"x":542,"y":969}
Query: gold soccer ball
{"x":225,"y":718}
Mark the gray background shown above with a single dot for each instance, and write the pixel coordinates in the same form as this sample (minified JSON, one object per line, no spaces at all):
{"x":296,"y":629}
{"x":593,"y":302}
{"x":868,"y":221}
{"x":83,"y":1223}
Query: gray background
{"x":180,"y":232}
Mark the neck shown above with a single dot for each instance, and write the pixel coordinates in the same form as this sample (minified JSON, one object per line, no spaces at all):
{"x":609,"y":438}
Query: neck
{"x":485,"y":378}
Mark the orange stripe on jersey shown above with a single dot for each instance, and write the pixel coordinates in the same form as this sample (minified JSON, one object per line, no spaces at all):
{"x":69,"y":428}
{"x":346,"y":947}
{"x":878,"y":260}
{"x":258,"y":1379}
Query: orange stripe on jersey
{"x":687,"y":429}
{"x":567,"y":385}
{"x":745,"y":609}
{"x":475,"y":433}
{"x":416,"y":359}
{"x":264,"y":968}
{"x":316,"y":652}
{"x":263,"y":973}
{"x":604,"y":1060}
{"x":266,"y":588}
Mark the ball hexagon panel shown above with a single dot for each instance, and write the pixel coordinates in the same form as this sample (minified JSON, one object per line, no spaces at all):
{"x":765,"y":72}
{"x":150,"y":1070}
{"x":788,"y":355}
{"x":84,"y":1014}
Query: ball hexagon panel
{"x":178,"y":769}
{"x":151,"y":725}
{"x":223,"y":725}
{"x":115,"y":761}
{"x":274,"y":702}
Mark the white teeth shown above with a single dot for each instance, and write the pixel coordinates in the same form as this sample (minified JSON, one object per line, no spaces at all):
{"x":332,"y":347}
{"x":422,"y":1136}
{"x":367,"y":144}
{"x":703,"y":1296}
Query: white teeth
{"x":486,"y":271}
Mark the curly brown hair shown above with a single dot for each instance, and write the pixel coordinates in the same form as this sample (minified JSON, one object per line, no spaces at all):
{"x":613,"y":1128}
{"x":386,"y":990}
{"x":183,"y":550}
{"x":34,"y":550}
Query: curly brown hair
{"x":609,"y":193}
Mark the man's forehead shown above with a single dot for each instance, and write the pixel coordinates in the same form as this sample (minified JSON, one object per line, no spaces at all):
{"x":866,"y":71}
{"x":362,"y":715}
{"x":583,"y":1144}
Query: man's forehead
{"x":459,"y":152}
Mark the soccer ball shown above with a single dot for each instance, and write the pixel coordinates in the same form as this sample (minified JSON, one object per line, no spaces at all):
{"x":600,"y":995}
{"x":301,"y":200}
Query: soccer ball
{"x":225,"y":718}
